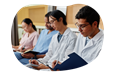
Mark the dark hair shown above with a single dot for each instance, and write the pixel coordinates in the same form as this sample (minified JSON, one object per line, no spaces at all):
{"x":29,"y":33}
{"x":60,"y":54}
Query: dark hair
{"x":47,"y":15}
{"x":57,"y":14}
{"x":89,"y":14}
{"x":28,"y":21}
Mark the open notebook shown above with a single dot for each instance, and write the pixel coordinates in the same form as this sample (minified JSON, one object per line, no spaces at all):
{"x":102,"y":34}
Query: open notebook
{"x":27,"y":51}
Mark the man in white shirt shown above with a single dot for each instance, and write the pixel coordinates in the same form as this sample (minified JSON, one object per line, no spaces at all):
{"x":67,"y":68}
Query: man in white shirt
{"x":90,"y":39}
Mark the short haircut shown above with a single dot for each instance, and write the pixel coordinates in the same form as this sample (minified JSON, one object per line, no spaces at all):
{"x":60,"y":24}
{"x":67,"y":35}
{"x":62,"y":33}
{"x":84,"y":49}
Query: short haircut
{"x":89,"y":14}
{"x":57,"y":14}
{"x":47,"y":15}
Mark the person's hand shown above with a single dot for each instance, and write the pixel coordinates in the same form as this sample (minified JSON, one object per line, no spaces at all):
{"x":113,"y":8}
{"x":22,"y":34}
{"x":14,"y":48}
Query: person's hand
{"x":22,"y":50}
{"x":54,"y":63}
{"x":34,"y":62}
{"x":28,"y":55}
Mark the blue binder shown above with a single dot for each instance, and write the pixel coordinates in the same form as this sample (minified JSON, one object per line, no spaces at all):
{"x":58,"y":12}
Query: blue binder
{"x":74,"y":61}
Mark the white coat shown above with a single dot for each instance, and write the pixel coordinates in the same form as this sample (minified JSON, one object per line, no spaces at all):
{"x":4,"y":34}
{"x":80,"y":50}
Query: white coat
{"x":92,"y":48}
{"x":60,"y":50}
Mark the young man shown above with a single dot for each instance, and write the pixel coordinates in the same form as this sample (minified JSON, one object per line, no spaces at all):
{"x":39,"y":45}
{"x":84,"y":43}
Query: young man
{"x":62,"y":44}
{"x":90,"y":39}
{"x":41,"y":45}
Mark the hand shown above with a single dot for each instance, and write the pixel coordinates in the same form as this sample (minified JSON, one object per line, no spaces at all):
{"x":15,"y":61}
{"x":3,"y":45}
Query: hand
{"x":28,"y":55}
{"x":14,"y":47}
{"x":33,"y":62}
{"x":22,"y":50}
{"x":54,"y":63}
{"x":36,"y":63}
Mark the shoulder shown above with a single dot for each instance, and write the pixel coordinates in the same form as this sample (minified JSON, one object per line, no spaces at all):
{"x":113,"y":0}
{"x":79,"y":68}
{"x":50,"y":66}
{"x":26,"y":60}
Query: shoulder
{"x":25,"y":34}
{"x":71,"y":34}
{"x":56,"y":31}
{"x":44,"y":30}
{"x":55,"y":36}
{"x":35,"y":33}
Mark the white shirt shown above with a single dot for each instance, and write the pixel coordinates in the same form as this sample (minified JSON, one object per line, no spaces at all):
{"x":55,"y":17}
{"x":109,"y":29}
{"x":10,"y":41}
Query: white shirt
{"x":91,"y":50}
{"x":60,"y":50}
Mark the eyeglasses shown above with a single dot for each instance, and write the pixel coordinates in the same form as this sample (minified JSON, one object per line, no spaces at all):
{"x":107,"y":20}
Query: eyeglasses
{"x":24,"y":27}
{"x":82,"y":26}
{"x":51,"y":22}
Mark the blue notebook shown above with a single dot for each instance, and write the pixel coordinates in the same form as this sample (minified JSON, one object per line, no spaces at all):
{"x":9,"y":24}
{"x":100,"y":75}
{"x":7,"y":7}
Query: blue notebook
{"x":74,"y":61}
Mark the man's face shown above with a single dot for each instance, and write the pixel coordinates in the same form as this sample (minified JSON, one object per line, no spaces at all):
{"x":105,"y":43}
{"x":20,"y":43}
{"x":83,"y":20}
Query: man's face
{"x":47,"y":24}
{"x":85,"y":28}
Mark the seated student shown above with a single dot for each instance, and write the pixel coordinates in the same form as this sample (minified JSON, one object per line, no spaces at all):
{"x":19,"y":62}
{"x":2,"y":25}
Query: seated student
{"x":42,"y":43}
{"x":61,"y":44}
{"x":29,"y":38}
{"x":90,"y":39}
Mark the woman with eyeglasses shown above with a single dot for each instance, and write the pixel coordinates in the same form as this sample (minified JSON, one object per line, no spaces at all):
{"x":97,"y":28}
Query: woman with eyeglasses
{"x":61,"y":44}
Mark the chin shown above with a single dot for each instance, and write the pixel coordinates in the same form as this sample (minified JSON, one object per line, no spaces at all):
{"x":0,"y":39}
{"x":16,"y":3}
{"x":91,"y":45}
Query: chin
{"x":84,"y":35}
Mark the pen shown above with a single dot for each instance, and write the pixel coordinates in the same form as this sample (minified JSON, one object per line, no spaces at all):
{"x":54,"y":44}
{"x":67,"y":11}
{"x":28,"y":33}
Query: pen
{"x":23,"y":47}
{"x":31,"y":59}
{"x":56,"y":62}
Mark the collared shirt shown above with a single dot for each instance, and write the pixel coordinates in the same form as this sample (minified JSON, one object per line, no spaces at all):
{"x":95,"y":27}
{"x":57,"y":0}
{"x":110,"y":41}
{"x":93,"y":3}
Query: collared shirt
{"x":90,"y":51}
{"x":59,"y":37}
{"x":60,"y":50}
{"x":44,"y":41}
{"x":87,"y":40}
{"x":30,"y":41}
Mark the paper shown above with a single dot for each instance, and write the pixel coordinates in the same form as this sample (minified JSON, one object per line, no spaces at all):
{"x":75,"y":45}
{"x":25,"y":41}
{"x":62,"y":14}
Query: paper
{"x":30,"y":65}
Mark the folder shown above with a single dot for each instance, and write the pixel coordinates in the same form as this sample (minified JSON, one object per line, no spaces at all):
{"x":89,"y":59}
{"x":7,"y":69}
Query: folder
{"x":73,"y":62}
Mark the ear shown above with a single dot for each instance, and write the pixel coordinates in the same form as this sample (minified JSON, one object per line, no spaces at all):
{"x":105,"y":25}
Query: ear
{"x":60,"y":19}
{"x":95,"y":24}
{"x":30,"y":24}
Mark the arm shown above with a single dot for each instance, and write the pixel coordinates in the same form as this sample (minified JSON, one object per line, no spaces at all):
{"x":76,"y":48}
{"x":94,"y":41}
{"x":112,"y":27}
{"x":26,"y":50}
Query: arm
{"x":69,"y":49}
{"x":49,"y":54}
{"x":15,"y":48}
{"x":34,"y":40}
{"x":23,"y":50}
{"x":40,"y":56}
{"x":40,"y":66}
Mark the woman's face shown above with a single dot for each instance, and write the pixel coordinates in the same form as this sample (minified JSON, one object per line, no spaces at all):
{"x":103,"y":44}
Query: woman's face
{"x":54,"y":23}
{"x":26,"y":27}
